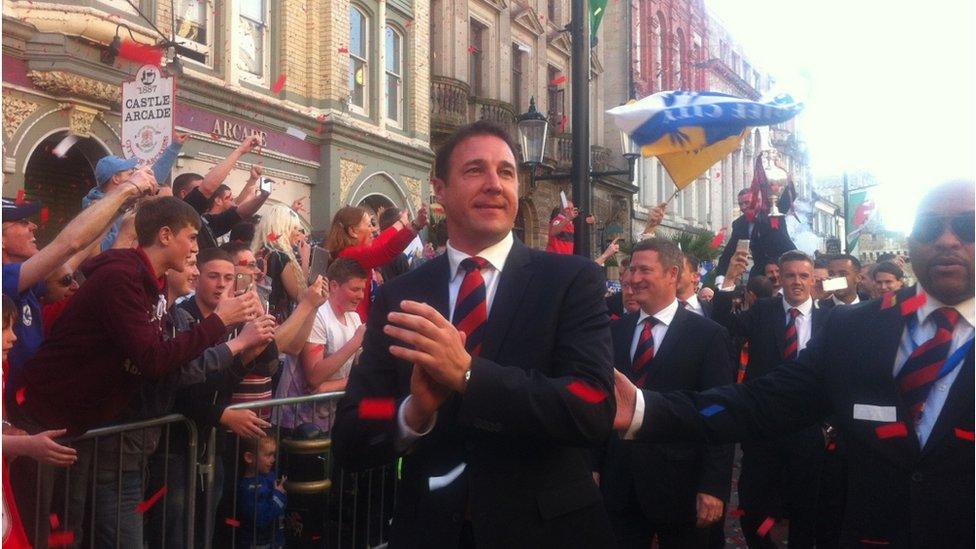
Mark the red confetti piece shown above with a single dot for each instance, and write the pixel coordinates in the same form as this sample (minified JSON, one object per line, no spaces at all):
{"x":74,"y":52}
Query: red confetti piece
{"x":376,"y":408}
{"x":146,"y":505}
{"x":20,"y":197}
{"x":45,"y":215}
{"x":343,"y":49}
{"x":563,"y":123}
{"x":145,"y":54}
{"x":320,"y":128}
{"x":321,"y":117}
{"x":586,"y":392}
{"x":561,"y":79}
{"x":965,"y":435}
{"x":912,"y":304}
{"x":55,"y":522}
{"x":719,"y":238}
{"x":214,"y":136}
{"x":765,"y":527}
{"x":19,"y":396}
{"x":472,"y":49}
{"x":61,"y":539}
{"x":272,"y":237}
{"x":875,"y":542}
{"x":891,"y":430}
{"x":232,"y":522}
{"x":737,"y":513}
{"x":279,"y":83}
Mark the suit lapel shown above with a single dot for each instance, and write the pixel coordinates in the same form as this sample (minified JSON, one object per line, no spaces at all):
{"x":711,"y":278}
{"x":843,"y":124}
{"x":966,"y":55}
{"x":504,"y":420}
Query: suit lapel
{"x":888,"y":333}
{"x":959,"y":402}
{"x":515,"y":278}
{"x":438,"y":291}
{"x":671,"y":339}
{"x":624,"y":330}
{"x":776,"y":324}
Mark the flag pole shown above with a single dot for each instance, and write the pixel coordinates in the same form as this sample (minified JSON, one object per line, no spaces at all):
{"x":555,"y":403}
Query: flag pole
{"x":674,"y":194}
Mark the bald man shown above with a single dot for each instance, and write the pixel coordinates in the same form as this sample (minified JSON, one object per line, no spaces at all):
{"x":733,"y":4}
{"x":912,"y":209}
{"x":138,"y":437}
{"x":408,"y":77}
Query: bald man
{"x":896,"y":377}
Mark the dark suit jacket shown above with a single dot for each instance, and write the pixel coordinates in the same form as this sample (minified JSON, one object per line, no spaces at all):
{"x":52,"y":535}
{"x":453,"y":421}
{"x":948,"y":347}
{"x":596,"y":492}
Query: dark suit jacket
{"x":766,"y":243}
{"x":667,"y":477}
{"x":764,"y":326}
{"x":540,"y":393}
{"x":897,"y":492}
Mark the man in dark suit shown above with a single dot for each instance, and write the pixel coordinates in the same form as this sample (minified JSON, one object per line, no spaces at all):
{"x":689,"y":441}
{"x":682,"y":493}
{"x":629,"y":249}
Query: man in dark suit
{"x":673,"y":491}
{"x":492,"y":414}
{"x":898,"y":374}
{"x":687,"y":290}
{"x":778,"y":477}
{"x":768,"y":237}
{"x":848,"y":267}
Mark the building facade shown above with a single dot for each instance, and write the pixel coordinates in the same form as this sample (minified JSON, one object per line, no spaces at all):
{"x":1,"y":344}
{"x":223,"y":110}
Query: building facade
{"x":488,"y":59}
{"x":339,"y":90}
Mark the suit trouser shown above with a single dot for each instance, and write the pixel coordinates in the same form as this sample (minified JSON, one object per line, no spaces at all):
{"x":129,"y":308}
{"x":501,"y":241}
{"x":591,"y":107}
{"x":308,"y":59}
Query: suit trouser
{"x":634,"y":530}
{"x":781,"y":479}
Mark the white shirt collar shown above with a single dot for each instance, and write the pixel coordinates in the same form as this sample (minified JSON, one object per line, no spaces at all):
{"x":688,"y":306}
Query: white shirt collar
{"x":966,"y":308}
{"x":857,"y":299}
{"x":693,"y":302}
{"x":494,"y":254}
{"x":804,"y":307}
{"x":664,"y":316}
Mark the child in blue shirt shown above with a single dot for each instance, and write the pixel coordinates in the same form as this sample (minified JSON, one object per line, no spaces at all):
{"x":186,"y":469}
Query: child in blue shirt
{"x":261,"y":499}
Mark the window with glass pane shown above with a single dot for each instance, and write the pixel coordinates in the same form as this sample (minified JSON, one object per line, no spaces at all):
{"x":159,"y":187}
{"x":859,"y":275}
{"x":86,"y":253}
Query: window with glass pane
{"x":253,"y":33}
{"x":358,"y":54}
{"x":394,"y":73}
{"x":476,"y":63}
{"x":557,"y":98}
{"x":517,"y":77}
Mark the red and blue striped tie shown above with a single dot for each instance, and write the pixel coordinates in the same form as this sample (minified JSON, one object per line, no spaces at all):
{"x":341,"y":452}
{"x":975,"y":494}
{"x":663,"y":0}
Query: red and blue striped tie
{"x":791,"y":343}
{"x":644,"y":353}
{"x":471,"y":308}
{"x":921,"y":370}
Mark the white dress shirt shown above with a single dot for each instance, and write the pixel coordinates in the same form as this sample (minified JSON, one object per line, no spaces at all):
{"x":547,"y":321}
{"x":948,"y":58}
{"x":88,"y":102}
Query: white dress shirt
{"x":857,"y":299}
{"x":495,"y":255}
{"x":694,"y":305}
{"x":804,"y":322}
{"x":924,"y":331}
{"x":664,"y":319}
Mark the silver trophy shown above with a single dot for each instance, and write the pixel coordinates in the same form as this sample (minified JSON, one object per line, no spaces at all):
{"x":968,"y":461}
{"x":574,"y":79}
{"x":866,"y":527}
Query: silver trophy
{"x":777,"y":179}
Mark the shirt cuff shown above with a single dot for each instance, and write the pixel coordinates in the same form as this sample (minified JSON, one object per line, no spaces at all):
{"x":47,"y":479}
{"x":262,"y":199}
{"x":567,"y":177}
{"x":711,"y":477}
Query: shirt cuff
{"x":407,"y":435}
{"x":638,"y":420}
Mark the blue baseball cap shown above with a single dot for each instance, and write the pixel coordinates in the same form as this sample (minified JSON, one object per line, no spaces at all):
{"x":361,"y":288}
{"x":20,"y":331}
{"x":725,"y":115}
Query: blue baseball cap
{"x":111,"y":165}
{"x":12,"y":211}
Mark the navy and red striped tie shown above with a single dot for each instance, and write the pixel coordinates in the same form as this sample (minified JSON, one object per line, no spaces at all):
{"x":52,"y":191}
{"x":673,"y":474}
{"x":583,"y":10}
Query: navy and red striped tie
{"x":471,"y":308}
{"x":791,"y":343}
{"x":645,"y":351}
{"x":921,"y":370}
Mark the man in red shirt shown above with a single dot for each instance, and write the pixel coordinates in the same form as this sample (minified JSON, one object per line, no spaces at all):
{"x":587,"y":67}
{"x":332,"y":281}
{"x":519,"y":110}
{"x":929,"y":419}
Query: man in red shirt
{"x":562,"y":230}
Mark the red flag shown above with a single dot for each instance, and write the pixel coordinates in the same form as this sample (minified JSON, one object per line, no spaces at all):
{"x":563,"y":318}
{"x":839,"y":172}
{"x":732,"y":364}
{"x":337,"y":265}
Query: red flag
{"x":719,"y":238}
{"x":145,"y":54}
{"x":757,"y":192}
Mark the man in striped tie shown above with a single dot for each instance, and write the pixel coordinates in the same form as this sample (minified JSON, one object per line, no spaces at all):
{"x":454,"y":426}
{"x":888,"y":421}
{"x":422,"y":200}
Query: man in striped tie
{"x":897,"y":375}
{"x":488,"y":370}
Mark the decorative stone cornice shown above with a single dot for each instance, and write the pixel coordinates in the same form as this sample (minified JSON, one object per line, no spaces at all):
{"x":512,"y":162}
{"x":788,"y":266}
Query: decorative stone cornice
{"x":15,"y":111}
{"x":80,"y":118}
{"x":414,"y":187}
{"x":66,"y":83}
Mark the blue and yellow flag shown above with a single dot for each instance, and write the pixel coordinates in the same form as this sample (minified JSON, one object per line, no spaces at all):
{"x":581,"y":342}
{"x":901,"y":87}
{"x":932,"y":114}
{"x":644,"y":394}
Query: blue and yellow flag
{"x":690,"y":131}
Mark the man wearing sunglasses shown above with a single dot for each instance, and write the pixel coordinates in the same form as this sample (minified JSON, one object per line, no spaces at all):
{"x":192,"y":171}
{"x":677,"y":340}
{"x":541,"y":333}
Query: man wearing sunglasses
{"x":894,"y":374}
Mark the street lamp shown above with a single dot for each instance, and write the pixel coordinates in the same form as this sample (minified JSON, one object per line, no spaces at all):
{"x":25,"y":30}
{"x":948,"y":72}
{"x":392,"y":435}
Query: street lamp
{"x":533,"y":128}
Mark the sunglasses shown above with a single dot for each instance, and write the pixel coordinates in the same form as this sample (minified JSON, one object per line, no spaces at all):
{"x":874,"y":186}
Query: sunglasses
{"x":67,"y":280}
{"x":928,"y":229}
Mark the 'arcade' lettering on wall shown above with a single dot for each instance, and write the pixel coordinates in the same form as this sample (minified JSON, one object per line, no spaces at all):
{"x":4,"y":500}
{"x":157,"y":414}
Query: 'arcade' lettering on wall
{"x":235,"y":131}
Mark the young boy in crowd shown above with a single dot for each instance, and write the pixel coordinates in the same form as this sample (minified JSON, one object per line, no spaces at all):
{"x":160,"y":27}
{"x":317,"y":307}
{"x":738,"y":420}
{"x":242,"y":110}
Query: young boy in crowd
{"x":261,"y":499}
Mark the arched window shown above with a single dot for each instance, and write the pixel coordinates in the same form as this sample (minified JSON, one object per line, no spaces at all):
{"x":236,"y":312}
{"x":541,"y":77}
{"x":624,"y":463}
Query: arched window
{"x":659,"y":40}
{"x":679,"y":79}
{"x":394,"y":75}
{"x":358,"y":59}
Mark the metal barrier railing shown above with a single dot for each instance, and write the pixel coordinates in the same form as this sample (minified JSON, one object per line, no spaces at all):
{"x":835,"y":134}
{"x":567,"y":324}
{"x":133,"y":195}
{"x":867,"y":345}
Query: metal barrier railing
{"x":117,"y":486}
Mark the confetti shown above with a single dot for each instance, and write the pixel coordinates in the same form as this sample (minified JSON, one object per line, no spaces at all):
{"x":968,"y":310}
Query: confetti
{"x":272,"y":237}
{"x":45,"y":215}
{"x":61,"y":539}
{"x":145,"y":54}
{"x":376,"y":408}
{"x":586,"y":392}
{"x":295,"y":132}
{"x":65,"y":144}
{"x":559,"y":80}
{"x":55,"y":522}
{"x":146,"y":505}
{"x":343,"y":49}
{"x":20,"y":197}
{"x":965,"y":435}
{"x":232,"y":522}
{"x":19,"y":396}
{"x":321,"y":117}
{"x":214,"y":136}
{"x":719,"y":238}
{"x":472,"y":49}
{"x":891,"y":430}
{"x":765,"y":527}
{"x":279,"y":83}
{"x":712,"y":410}
{"x":737,"y":512}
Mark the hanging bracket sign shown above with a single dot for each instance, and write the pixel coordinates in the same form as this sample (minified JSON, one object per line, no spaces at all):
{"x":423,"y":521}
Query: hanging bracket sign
{"x":147,"y":115}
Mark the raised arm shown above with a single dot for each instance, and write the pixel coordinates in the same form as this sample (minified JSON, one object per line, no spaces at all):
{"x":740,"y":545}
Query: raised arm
{"x":219,"y":173}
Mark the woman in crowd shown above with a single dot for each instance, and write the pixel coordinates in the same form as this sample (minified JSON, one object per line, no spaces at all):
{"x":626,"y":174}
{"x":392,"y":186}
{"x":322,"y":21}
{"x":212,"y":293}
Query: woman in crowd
{"x":351,"y":236}
{"x":279,"y":239}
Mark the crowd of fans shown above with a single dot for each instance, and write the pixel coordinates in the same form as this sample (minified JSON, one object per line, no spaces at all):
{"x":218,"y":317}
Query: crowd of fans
{"x":179,"y":298}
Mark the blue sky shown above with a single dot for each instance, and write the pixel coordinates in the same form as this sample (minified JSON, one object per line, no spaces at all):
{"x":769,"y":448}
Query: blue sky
{"x":889,"y":89}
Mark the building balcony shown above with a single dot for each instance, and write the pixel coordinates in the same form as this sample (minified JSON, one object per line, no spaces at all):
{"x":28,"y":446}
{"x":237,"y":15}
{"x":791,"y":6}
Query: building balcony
{"x":448,"y":104}
{"x":559,"y":151}
{"x":601,"y":158}
{"x":493,"y":110}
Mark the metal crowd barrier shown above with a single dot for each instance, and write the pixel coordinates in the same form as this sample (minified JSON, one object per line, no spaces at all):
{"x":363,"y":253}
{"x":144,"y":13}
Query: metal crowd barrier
{"x":327,"y":507}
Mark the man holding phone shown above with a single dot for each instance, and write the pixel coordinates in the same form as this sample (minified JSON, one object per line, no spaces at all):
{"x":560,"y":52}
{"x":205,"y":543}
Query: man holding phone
{"x":845,"y":274}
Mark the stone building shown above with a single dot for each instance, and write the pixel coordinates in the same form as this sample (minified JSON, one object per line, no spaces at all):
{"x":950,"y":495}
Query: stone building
{"x":350,"y":124}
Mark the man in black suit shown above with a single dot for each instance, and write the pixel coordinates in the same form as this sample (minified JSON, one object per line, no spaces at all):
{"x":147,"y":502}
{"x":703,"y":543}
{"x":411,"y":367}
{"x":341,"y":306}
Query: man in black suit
{"x":898,"y":374}
{"x":778,"y":477}
{"x":768,"y":237}
{"x":848,"y":267}
{"x":492,"y":417}
{"x":674,"y":491}
{"x":688,"y":287}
